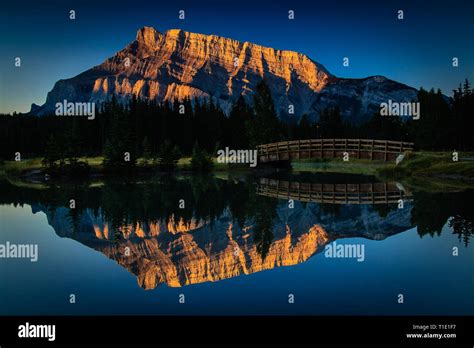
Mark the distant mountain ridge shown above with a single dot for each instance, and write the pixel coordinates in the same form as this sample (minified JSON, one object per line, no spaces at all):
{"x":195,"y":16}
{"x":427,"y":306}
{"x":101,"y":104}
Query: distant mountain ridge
{"x":179,"y":253}
{"x":180,"y":64}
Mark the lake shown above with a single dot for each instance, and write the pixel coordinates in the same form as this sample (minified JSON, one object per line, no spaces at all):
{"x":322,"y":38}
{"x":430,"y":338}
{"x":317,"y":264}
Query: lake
{"x":299,"y":244}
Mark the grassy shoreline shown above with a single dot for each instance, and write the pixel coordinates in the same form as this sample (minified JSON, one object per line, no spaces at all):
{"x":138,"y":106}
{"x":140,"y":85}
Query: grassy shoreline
{"x":416,"y":167}
{"x":32,"y":167}
{"x":429,"y":164}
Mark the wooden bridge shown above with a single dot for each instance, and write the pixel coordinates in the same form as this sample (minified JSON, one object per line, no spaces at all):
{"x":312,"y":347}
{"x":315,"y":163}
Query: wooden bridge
{"x":363,"y":193}
{"x":385,"y":150}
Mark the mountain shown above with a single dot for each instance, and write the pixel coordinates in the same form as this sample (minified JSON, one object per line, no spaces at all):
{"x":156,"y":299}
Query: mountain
{"x":180,"y":64}
{"x":178,"y":253}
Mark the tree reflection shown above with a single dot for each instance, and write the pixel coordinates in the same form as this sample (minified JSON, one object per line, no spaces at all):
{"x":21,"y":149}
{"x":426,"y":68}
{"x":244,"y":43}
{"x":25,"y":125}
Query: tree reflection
{"x":124,"y":205}
{"x":431,"y":211}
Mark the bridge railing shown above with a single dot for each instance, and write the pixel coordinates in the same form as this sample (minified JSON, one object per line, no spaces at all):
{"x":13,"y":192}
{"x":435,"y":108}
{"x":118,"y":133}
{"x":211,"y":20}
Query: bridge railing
{"x":360,"y":193}
{"x":315,"y":146}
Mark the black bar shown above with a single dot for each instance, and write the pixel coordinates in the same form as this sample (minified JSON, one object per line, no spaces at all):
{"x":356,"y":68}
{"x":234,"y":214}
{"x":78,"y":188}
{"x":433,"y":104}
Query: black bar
{"x":192,"y":330}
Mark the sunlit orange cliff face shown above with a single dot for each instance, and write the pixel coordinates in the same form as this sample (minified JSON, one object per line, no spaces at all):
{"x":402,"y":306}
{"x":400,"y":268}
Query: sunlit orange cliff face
{"x":184,"y":254}
{"x":177,"y":64}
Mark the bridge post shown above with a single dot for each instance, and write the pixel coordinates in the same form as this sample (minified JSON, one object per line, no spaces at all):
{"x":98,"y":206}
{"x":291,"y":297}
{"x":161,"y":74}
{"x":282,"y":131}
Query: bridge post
{"x":358,"y":148}
{"x":372,"y":150}
{"x":385,"y":153}
{"x":299,"y":147}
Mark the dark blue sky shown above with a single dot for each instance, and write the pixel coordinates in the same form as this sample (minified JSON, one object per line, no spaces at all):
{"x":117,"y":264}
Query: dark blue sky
{"x":416,"y":51}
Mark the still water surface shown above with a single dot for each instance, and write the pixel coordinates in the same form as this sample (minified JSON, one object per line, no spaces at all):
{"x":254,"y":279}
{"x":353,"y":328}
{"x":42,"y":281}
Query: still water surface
{"x":237,"y":246}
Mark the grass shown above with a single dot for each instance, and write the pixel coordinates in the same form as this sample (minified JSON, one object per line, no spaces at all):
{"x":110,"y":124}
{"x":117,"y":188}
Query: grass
{"x":426,"y":171}
{"x":366,"y":167}
{"x":420,"y":164}
{"x":16,"y":169}
{"x":430,"y":184}
{"x":432,"y":164}
{"x":435,"y":169}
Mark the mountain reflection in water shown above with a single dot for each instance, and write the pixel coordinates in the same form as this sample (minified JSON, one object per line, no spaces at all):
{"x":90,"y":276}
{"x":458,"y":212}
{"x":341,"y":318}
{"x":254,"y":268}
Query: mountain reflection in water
{"x":231,"y":227}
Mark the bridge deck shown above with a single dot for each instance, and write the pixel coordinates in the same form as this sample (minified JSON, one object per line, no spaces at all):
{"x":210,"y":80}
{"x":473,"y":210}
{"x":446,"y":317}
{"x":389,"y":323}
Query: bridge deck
{"x":385,"y":150}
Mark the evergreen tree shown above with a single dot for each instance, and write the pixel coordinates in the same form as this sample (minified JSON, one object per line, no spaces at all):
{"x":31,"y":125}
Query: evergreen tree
{"x":304,"y":129}
{"x":72,"y":144}
{"x":462,"y":121}
{"x":466,"y":89}
{"x":239,"y":122}
{"x":146,"y":151}
{"x":53,"y":153}
{"x":433,"y":131}
{"x":384,"y":127}
{"x":265,"y":126}
{"x":119,"y":151}
{"x":200,"y":160}
{"x":169,"y":156}
{"x":331,"y":124}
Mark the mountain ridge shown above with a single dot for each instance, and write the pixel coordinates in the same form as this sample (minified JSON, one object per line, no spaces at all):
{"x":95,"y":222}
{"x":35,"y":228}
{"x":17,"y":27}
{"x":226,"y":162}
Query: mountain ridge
{"x":177,"y":253}
{"x":178,"y":64}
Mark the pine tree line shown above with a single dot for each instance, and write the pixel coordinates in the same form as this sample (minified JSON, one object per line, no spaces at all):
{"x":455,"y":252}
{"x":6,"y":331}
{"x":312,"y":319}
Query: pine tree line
{"x":155,"y":131}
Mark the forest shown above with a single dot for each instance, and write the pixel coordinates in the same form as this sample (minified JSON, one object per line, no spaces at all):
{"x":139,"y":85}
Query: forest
{"x":169,"y":130}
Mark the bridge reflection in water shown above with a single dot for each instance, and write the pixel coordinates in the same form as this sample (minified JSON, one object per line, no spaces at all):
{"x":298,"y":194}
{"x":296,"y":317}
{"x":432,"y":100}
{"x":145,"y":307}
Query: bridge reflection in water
{"x":360,"y":193}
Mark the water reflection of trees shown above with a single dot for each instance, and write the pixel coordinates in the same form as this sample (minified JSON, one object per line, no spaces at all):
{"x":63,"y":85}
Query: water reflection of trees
{"x":205,"y":198}
{"x":384,"y":209}
{"x":333,"y":210}
{"x":462,"y":227}
{"x":263,"y":214}
{"x":431,"y":211}
{"x":124,"y":204}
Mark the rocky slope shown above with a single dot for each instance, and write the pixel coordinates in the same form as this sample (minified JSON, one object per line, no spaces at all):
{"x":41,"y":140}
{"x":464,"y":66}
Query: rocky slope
{"x":180,"y":64}
{"x":178,"y":253}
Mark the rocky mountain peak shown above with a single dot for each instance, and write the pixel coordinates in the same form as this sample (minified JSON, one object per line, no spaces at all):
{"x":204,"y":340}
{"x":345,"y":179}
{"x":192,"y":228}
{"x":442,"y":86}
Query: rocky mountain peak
{"x":149,"y":37}
{"x":179,"y":64}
